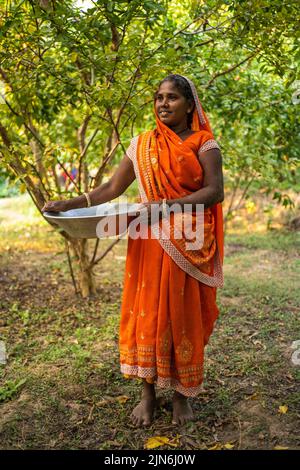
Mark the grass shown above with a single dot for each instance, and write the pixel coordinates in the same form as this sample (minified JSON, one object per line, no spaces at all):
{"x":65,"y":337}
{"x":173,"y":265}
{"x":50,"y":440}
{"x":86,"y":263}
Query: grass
{"x":61,"y":387}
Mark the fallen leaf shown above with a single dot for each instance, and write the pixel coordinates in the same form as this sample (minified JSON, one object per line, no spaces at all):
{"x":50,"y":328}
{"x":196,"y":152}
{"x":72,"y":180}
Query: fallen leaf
{"x":122,"y":398}
{"x":156,"y":441}
{"x":107,"y":400}
{"x":228,"y":445}
{"x":217,"y":446}
{"x":280,"y":448}
{"x":254,"y":396}
{"x":282,"y":409}
{"x":220,"y":446}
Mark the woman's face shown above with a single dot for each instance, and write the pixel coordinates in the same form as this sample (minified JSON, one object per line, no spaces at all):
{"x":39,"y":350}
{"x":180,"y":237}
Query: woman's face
{"x":171,"y":106}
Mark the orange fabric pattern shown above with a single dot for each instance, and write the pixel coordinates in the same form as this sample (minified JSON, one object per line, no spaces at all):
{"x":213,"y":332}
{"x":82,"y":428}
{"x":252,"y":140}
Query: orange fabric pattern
{"x":167,"y":314}
{"x":170,"y":169}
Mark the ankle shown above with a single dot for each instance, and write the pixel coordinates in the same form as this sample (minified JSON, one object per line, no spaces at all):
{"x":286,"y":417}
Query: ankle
{"x":148,"y":390}
{"x":179,"y":397}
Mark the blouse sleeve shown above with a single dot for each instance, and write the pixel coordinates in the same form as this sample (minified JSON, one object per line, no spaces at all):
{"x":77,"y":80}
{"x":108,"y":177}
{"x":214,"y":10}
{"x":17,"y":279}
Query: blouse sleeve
{"x":208,"y":143}
{"x":131,"y":150}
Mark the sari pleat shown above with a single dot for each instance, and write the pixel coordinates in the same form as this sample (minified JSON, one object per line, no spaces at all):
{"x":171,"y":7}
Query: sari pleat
{"x":167,"y":317}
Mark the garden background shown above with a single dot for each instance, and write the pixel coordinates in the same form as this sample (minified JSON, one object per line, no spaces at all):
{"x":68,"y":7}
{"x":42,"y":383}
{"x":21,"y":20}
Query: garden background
{"x":76,"y":84}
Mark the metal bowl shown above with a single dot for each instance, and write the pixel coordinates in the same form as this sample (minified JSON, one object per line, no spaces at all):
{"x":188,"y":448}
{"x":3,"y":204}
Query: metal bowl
{"x":105,"y":220}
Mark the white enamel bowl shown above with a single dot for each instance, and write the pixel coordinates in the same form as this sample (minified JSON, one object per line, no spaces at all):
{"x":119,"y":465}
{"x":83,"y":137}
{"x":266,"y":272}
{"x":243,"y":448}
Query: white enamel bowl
{"x":109,"y":219}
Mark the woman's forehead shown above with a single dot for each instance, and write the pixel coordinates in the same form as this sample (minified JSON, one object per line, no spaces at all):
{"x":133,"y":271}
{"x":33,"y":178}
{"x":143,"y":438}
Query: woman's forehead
{"x":168,"y":87}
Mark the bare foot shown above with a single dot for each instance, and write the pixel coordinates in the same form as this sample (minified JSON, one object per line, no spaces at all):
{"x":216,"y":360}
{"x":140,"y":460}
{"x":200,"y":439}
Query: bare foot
{"x":142,"y":415}
{"x":182,"y":410}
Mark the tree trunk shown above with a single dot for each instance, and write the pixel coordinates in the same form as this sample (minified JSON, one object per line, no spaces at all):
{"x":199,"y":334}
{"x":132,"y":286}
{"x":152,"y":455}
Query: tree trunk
{"x":87,"y":284}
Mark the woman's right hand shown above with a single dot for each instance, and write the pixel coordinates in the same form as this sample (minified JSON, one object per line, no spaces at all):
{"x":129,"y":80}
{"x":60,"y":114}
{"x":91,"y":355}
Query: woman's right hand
{"x":55,"y":206}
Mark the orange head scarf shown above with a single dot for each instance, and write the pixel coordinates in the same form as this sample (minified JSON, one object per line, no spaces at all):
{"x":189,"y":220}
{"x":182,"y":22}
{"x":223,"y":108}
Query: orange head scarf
{"x":200,"y":120}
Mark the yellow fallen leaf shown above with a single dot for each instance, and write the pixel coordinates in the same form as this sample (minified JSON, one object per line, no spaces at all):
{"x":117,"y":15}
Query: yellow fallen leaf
{"x":228,"y":445}
{"x":107,"y":400}
{"x":280,"y":448}
{"x":156,"y":441}
{"x":254,"y":396}
{"x":122,"y":399}
{"x":220,"y":446}
{"x":217,"y":446}
{"x":282,"y":409}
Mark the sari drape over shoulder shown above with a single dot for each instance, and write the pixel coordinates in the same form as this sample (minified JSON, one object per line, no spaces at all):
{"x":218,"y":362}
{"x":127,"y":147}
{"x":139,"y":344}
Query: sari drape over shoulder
{"x":169,"y":297}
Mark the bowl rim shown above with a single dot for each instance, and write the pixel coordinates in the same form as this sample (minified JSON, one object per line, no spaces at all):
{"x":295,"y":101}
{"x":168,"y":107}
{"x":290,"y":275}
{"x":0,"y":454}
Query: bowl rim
{"x":62,"y":216}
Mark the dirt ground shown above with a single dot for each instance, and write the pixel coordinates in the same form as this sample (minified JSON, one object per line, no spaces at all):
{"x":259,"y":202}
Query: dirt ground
{"x":61,"y":387}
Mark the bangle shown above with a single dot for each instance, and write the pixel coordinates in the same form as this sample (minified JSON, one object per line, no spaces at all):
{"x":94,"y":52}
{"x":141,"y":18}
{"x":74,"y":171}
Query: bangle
{"x":88,"y":199}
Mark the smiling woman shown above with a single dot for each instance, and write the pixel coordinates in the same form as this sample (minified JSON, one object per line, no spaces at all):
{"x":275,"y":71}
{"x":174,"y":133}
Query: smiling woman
{"x":169,"y":297}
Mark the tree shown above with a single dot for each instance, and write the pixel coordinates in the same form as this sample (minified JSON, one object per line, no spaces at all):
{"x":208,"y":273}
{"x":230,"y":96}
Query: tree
{"x":78,"y":84}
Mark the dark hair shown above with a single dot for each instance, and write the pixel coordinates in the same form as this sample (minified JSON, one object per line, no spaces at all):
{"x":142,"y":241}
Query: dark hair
{"x":183,"y":86}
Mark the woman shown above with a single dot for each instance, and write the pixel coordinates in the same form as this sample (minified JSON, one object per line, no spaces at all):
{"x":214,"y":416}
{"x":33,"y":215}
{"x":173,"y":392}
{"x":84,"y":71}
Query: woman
{"x":169,"y":297}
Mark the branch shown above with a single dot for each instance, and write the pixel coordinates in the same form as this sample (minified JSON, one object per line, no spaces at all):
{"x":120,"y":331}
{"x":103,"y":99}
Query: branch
{"x":95,"y":250}
{"x":133,"y":81}
{"x":25,"y":124}
{"x":56,"y":180}
{"x":20,"y":171}
{"x":230,"y":69}
{"x":244,"y":192}
{"x":34,"y":192}
{"x":81,"y":139}
{"x":115,"y":129}
{"x":105,"y":252}
{"x":235,"y":188}
{"x":135,"y":116}
{"x":106,"y":159}
{"x":89,"y":142}
{"x":204,"y":43}
{"x":211,"y":28}
{"x":71,"y":267}
{"x":117,"y":57}
{"x":179,"y":32}
{"x":68,"y":175}
{"x":85,"y":75}
{"x":38,"y":153}
{"x":82,"y":131}
{"x":29,"y":127}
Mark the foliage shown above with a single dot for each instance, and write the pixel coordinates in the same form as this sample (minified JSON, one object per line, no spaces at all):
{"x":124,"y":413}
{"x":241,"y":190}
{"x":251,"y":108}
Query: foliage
{"x":64,"y":68}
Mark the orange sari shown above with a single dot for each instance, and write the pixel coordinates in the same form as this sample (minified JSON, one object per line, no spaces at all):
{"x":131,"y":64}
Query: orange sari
{"x":169,"y":297}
